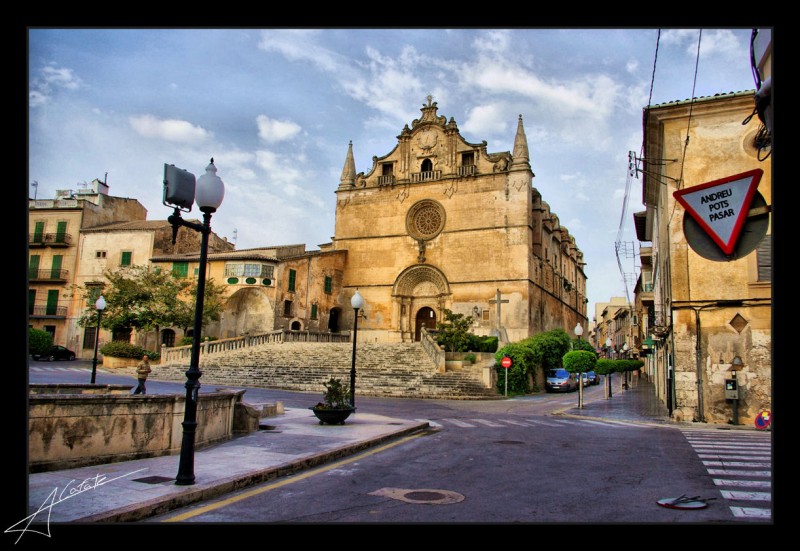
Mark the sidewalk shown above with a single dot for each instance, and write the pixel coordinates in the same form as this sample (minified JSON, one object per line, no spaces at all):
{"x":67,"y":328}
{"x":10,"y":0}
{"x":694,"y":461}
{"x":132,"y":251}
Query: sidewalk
{"x":135,"y":490}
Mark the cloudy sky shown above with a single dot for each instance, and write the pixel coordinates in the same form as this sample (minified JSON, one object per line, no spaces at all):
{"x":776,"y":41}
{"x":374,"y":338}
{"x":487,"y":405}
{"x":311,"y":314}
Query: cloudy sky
{"x":276,"y":109}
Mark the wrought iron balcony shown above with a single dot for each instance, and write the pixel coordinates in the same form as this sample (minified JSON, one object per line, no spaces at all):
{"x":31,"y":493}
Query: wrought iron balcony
{"x":48,"y":275}
{"x":48,"y":311}
{"x":58,"y":239}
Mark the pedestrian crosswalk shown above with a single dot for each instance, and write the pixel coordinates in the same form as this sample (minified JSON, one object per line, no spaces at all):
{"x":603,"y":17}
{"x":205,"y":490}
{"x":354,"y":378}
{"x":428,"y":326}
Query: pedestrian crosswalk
{"x":740,"y":464}
{"x":471,"y":423}
{"x":36,"y":369}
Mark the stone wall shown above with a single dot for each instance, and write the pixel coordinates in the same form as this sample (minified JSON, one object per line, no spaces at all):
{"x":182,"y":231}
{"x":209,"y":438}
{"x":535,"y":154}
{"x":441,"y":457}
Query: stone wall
{"x":72,"y":430}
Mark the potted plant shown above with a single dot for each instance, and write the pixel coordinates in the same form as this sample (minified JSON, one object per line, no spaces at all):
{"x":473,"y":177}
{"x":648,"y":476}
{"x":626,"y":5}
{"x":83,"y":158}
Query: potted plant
{"x":335,"y":406}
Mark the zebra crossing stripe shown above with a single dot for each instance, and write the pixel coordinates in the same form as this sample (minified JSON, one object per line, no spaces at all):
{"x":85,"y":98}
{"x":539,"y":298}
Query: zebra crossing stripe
{"x":726,"y":472}
{"x":751,"y":512}
{"x":742,"y":483}
{"x":458,"y":423}
{"x":746,"y":496}
{"x":517,"y":423}
{"x":759,"y":457}
{"x":487,"y":423}
{"x":734,"y":464}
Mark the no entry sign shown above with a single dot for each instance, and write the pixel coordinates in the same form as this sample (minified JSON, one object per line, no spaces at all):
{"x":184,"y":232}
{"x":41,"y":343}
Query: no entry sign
{"x":721,"y":206}
{"x":506,"y":362}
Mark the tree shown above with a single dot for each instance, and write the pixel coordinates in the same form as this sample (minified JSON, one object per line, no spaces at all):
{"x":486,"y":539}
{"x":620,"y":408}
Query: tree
{"x":454,"y":332}
{"x":146,"y":298}
{"x":549,"y":347}
{"x":579,"y":361}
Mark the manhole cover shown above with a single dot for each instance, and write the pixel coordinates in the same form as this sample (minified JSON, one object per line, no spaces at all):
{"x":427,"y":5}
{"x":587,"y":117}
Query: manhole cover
{"x":153,"y":479}
{"x":425,"y":496}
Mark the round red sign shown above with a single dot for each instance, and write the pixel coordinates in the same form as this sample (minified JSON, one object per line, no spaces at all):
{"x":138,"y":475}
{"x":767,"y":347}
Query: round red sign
{"x":506,"y":362}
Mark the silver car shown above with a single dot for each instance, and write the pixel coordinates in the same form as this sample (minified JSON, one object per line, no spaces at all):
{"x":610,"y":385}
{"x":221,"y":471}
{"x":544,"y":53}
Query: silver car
{"x":560,"y":380}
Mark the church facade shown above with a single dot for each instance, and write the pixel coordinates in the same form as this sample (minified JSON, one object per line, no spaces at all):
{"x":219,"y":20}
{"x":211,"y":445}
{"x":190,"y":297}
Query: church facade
{"x":440,"y":223}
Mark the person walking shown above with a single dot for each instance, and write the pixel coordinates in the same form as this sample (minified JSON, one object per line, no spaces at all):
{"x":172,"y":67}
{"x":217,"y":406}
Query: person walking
{"x":142,"y":370}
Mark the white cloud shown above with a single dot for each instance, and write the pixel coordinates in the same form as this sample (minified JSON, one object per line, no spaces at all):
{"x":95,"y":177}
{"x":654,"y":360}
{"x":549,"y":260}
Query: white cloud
{"x":273,"y":130}
{"x":168,"y":129}
{"x":61,"y":78}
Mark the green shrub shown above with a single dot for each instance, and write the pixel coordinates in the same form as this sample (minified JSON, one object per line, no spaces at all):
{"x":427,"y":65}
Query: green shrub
{"x":487,"y":344}
{"x":121,"y":349}
{"x":39,"y":342}
{"x":523,"y":368}
{"x":470,"y":358}
{"x":186,"y":341}
{"x":579,"y":361}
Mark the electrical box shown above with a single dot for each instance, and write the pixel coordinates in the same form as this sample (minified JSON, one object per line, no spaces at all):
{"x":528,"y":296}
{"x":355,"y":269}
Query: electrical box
{"x":731,"y":389}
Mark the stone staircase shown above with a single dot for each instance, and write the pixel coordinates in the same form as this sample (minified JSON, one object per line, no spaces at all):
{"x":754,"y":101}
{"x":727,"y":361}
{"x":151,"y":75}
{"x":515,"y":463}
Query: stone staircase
{"x":400,"y":370}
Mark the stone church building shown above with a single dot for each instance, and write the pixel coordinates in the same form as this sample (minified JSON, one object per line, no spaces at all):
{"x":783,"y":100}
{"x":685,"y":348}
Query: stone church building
{"x":440,"y":223}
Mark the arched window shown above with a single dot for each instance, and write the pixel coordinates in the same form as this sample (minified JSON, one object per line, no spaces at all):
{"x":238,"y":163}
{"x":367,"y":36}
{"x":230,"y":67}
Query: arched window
{"x":426,"y":166}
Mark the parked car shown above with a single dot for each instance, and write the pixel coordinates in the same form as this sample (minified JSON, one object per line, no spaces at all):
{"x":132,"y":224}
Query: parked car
{"x":587,"y":379}
{"x":560,"y":380}
{"x":57,"y":352}
{"x":594,"y":378}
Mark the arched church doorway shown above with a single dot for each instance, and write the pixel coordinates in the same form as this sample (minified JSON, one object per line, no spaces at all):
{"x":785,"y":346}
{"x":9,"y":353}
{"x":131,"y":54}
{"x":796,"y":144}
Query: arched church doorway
{"x":296,"y":326}
{"x":426,"y":318}
{"x":333,"y":320}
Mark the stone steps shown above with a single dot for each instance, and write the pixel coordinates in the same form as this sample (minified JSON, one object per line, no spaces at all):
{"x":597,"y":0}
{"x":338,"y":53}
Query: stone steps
{"x":389,"y":370}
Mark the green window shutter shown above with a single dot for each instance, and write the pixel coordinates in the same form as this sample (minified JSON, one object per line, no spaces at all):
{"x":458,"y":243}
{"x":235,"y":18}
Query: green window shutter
{"x":313,"y":311}
{"x":55,"y":270}
{"x":31,"y":300}
{"x":61,"y":232}
{"x":38,"y":232}
{"x":33,"y":267}
{"x":292,"y":278}
{"x":180,"y":269}
{"x":328,"y":284}
{"x":52,"y":302}
{"x":125,"y":260}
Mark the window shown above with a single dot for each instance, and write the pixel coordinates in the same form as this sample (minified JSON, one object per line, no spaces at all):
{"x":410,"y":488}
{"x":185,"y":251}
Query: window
{"x":292,"y":278}
{"x":31,"y":300}
{"x":764,"y":259}
{"x":38,"y":232}
{"x":387,"y":169}
{"x":253,"y":269}
{"x":287,"y":308}
{"x":125,"y":258}
{"x":100,"y":254}
{"x":33,"y":267}
{"x":52,"y":302}
{"x":427,"y":166}
{"x":485,"y":315}
{"x":313,"y":311}
{"x":328,"y":285}
{"x":89,"y":334}
{"x":61,"y":232}
{"x":180,"y":269}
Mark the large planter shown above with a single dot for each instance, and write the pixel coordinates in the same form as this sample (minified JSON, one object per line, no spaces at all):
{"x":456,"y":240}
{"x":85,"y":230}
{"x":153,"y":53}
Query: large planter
{"x":332,"y":416}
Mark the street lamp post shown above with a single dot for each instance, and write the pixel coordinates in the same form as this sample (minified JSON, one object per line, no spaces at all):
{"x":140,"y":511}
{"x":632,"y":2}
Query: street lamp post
{"x":625,"y":373}
{"x":100,"y":305}
{"x":208,"y":194}
{"x":578,"y":332}
{"x":357,"y":302}
{"x":609,"y":350}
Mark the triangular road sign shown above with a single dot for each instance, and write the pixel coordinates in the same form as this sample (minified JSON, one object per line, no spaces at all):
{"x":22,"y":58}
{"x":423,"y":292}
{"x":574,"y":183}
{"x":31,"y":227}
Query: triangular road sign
{"x":721,"y":206}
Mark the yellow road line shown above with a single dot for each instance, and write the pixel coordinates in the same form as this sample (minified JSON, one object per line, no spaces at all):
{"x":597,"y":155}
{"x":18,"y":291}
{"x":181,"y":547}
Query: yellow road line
{"x":286,"y":481}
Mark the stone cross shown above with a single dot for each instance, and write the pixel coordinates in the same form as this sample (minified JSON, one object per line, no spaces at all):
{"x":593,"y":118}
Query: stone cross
{"x":498,"y":301}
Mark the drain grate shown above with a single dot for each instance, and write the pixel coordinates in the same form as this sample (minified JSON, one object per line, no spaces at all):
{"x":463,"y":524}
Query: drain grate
{"x":154,"y":479}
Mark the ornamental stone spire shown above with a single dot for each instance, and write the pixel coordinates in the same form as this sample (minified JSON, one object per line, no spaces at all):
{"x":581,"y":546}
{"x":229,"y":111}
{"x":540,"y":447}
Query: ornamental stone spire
{"x":520,"y":154}
{"x":349,"y":171}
